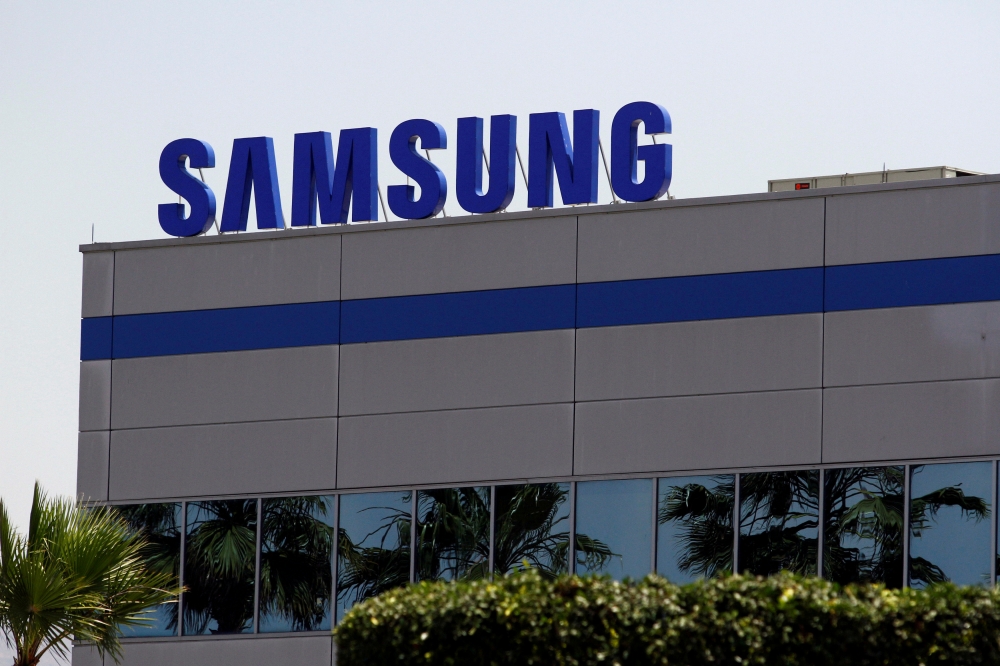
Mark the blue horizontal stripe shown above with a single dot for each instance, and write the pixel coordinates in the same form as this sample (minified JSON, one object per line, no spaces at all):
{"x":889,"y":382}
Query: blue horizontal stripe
{"x":231,"y":329}
{"x":690,"y":298}
{"x":464,"y":313}
{"x":906,"y":283}
{"x":687,"y":298}
{"x":95,"y":338}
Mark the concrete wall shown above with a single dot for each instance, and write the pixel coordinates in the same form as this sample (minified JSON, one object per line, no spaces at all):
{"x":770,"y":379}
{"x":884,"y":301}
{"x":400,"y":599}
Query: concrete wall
{"x":802,"y":386}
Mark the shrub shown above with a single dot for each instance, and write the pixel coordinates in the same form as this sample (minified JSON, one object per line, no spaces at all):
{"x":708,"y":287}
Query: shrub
{"x":782,"y":620}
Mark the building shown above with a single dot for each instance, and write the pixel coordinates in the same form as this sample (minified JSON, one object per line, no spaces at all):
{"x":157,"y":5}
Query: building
{"x":680,"y":385}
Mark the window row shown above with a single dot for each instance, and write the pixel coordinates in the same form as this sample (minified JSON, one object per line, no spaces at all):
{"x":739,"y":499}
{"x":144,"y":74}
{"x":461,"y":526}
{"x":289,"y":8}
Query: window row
{"x":270,"y":565}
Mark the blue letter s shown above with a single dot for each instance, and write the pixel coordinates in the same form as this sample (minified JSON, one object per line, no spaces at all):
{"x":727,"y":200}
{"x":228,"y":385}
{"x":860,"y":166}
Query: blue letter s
{"x":198,"y":194}
{"x":403,"y":152}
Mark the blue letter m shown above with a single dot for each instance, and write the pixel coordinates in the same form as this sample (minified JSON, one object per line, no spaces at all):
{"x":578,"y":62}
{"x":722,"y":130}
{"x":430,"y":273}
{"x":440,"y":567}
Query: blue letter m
{"x":356,"y":172}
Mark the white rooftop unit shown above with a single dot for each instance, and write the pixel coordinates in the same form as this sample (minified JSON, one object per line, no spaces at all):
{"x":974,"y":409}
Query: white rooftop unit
{"x":867,"y":178}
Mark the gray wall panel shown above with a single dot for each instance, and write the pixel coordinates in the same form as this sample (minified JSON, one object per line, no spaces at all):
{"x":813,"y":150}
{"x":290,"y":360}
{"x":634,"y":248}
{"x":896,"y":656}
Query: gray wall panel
{"x":960,"y":341}
{"x":92,"y":452}
{"x":86,"y":655}
{"x":461,"y":257}
{"x":95,"y":395}
{"x":256,"y":651}
{"x":456,"y":446}
{"x":272,"y":456}
{"x":450,"y":373}
{"x":690,"y":358}
{"x":701,"y":240}
{"x":705,"y":432}
{"x":929,"y":420}
{"x":98,"y":284}
{"x":228,"y":275}
{"x":298,"y":382}
{"x":913,"y":224}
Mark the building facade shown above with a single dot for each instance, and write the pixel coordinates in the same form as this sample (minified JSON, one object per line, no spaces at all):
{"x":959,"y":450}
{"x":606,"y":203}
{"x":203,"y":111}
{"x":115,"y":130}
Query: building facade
{"x":805,"y":380}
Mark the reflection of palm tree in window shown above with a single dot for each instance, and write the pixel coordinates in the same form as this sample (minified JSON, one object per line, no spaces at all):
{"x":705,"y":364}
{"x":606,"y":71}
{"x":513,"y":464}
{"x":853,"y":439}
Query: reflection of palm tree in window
{"x":453,"y":537}
{"x":779,"y":520}
{"x":532,"y":527}
{"x":864,"y":525}
{"x":160,"y":525}
{"x":219,"y":566}
{"x":924,"y":509}
{"x":365,"y":571}
{"x":707,"y":519}
{"x":295,"y":577}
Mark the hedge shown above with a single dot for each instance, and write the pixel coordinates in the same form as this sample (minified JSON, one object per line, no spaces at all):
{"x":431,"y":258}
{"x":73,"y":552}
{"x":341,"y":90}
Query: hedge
{"x":524,"y":620}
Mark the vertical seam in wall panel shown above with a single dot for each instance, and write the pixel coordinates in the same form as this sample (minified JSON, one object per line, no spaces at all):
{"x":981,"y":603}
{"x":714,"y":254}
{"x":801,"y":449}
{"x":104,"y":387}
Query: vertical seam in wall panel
{"x":576,"y":329}
{"x":822,"y":353}
{"x":340,"y":330}
{"x":111,"y":374}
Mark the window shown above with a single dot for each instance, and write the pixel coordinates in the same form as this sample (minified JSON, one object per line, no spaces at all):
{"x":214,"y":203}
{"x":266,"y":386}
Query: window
{"x":614,"y":527}
{"x":695,"y":527}
{"x":296,"y":560}
{"x":373,"y":552}
{"x":453,"y":533}
{"x":863,"y":525}
{"x":949,"y":531}
{"x":779,"y":522}
{"x":219,"y":566}
{"x":532,"y":525}
{"x":160,"y":525}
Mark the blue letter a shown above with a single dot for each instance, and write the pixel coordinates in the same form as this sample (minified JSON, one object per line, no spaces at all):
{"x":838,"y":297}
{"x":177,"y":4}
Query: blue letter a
{"x":316,"y":176}
{"x":252,"y":165}
{"x":575,"y":166}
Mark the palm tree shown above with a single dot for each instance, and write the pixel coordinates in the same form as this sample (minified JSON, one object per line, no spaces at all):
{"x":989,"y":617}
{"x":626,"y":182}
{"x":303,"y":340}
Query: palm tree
{"x":77,"y":574}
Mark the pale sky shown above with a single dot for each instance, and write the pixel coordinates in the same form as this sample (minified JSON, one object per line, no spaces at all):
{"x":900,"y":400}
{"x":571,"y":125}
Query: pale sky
{"x":91,"y":92}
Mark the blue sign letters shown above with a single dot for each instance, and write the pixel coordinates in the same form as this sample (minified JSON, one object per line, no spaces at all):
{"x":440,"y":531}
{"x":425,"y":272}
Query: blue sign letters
{"x":350,"y":183}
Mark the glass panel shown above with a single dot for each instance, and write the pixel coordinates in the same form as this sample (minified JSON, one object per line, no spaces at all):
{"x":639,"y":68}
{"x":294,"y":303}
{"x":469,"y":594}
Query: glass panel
{"x":949,"y":533}
{"x":614,"y":527}
{"x":219,"y":560}
{"x":695,"y":534}
{"x":863,"y":526}
{"x":453,"y":533}
{"x":779,"y":521}
{"x":532,"y":525}
{"x":373,"y":552}
{"x":296,"y":563}
{"x":160,"y":524}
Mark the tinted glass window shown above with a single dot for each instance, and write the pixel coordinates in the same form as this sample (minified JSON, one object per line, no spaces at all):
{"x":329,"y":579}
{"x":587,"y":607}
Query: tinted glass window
{"x":532,"y":524}
{"x":949,"y":530}
{"x":296,"y":560}
{"x":779,"y":521}
{"x":219,"y":562}
{"x":453,"y":533}
{"x":863,"y":528}
{"x":160,"y":525}
{"x":614,"y":527}
{"x":373,"y":546}
{"x":695,"y":527}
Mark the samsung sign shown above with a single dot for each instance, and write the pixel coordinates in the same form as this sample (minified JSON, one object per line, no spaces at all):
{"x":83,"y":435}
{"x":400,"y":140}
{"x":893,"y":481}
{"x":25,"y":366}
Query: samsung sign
{"x":319,"y":177}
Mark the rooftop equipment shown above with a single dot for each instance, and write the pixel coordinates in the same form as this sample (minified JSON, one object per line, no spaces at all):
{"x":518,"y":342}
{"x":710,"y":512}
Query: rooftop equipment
{"x":867,"y":178}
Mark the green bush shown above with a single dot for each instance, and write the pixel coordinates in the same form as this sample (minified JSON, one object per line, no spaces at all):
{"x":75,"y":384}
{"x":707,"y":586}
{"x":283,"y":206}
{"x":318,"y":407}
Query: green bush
{"x":523,"y":620}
